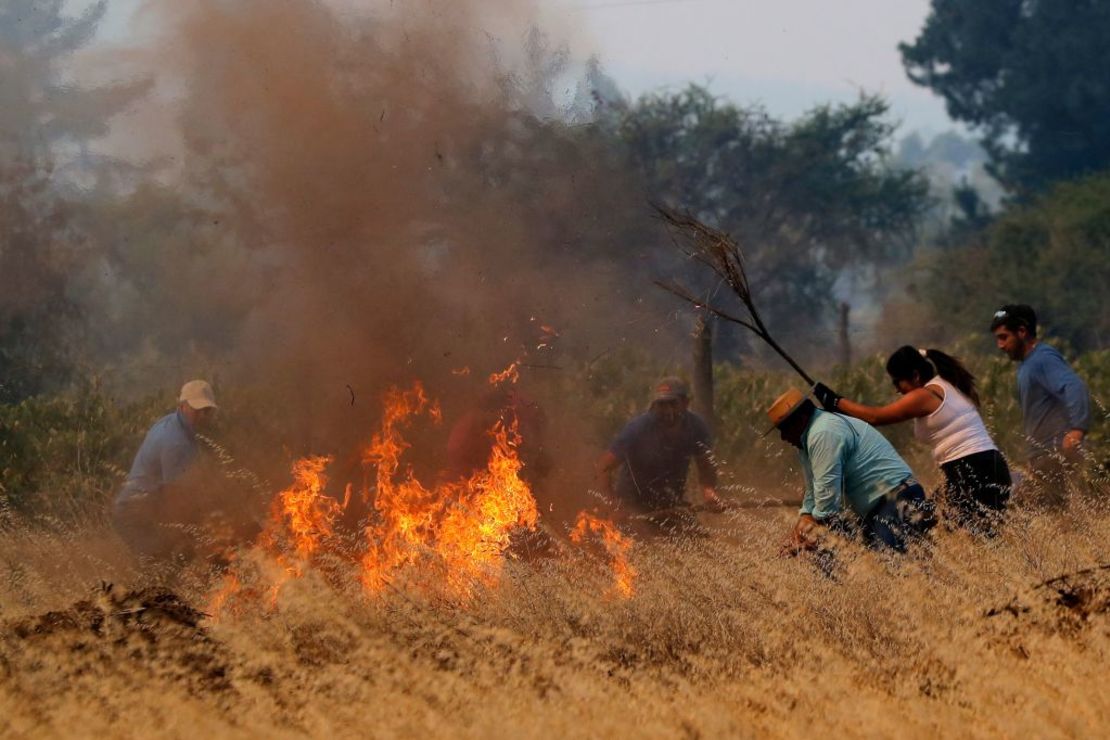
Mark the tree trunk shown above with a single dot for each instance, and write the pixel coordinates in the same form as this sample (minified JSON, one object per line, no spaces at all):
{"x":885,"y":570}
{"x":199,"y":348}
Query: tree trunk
{"x":845,"y":340}
{"x":703,"y":370}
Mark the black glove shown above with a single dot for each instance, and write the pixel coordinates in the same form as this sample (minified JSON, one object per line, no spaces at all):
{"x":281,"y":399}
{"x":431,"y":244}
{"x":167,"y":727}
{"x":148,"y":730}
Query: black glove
{"x":828,"y":398}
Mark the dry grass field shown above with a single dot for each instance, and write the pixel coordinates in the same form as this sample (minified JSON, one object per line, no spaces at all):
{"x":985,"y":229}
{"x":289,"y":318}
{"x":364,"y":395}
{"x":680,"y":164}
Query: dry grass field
{"x":721,"y":638}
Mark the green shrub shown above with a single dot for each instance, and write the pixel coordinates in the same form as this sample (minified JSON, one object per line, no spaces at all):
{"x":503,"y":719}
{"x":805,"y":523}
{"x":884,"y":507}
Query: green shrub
{"x":64,"y":455}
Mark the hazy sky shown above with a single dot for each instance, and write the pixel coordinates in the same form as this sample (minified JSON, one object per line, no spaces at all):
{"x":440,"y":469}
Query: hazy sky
{"x":787,"y":54}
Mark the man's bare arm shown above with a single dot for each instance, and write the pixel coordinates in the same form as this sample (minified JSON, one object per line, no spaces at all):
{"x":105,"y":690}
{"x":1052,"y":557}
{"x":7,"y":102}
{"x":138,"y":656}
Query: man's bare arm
{"x":707,"y":478}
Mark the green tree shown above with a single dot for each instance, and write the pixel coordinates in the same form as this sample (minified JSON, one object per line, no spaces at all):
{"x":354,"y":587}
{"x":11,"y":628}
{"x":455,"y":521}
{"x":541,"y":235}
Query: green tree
{"x":1051,"y":254}
{"x":38,"y":109}
{"x":1033,"y":77}
{"x":806,"y":199}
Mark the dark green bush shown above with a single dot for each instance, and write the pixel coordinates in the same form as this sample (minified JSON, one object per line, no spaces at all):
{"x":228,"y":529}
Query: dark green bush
{"x":64,"y":455}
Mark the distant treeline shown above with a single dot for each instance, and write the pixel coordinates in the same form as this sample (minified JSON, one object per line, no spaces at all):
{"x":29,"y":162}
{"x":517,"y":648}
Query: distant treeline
{"x":104,"y":262}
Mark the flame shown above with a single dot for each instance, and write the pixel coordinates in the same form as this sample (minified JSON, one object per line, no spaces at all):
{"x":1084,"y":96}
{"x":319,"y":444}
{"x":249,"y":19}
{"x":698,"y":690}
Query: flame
{"x":616,"y":544}
{"x":219,"y":599}
{"x":510,"y":374}
{"x":458,"y":532}
{"x":302,"y":517}
{"x":303,"y":510}
{"x":461,"y":530}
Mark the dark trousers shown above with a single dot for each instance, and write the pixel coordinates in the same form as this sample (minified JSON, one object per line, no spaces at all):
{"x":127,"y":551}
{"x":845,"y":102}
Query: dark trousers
{"x":977,"y":489}
{"x":140,"y":521}
{"x":896,"y":519}
{"x":1050,"y":478}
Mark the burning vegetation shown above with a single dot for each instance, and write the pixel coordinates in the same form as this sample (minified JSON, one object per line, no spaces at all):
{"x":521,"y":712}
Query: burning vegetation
{"x":323,"y":205}
{"x":448,"y":538}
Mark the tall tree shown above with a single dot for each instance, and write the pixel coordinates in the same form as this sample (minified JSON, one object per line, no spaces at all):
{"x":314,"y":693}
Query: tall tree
{"x":806,"y":199}
{"x":1050,"y":253}
{"x":39,"y":107}
{"x":1032,"y":76}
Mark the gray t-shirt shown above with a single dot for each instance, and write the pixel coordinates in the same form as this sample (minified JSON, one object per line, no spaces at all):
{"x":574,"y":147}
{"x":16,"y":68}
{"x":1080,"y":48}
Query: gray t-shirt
{"x":165,"y":454}
{"x":655,"y":459}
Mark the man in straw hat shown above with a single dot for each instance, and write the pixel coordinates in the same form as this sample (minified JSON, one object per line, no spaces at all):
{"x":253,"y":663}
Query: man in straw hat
{"x":847,"y":463}
{"x":652,"y":455}
{"x":150,"y":502}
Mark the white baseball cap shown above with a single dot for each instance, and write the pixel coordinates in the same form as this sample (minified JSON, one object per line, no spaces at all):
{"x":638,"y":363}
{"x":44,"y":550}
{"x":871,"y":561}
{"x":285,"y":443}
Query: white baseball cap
{"x":198,"y":394}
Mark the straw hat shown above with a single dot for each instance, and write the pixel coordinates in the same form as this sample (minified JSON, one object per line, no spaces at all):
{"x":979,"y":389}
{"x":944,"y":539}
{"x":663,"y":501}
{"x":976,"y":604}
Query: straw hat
{"x":784,"y":406}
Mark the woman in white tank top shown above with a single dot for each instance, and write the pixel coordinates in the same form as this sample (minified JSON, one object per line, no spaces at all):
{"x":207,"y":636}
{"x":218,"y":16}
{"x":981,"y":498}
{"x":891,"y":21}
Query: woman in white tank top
{"x":939,"y":394}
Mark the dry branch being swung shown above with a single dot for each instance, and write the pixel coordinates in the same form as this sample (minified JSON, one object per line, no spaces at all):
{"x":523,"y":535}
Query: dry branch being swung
{"x":721,"y":254}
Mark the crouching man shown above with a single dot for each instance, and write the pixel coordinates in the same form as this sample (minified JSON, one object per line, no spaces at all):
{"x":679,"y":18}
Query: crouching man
{"x":154,"y":507}
{"x":847,"y":463}
{"x":652,"y":455}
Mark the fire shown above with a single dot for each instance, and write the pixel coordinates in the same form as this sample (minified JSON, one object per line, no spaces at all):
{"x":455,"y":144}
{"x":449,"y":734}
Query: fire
{"x":510,"y":374}
{"x":461,"y":530}
{"x":457,"y":532}
{"x":303,"y":509}
{"x":218,"y":600}
{"x":618,"y":546}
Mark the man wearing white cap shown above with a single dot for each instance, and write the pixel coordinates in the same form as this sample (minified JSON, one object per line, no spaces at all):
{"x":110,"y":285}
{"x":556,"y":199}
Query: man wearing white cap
{"x":848,"y":464}
{"x":145,"y":504}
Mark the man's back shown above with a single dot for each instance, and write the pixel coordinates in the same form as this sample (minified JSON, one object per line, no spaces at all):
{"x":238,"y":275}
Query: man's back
{"x":1054,"y":399}
{"x":166,"y":452}
{"x":655,"y":459}
{"x":842,"y":455}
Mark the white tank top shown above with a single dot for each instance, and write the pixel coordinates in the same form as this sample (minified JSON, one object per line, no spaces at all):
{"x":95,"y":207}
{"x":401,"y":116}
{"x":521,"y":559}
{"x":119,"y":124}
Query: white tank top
{"x":955,"y":429}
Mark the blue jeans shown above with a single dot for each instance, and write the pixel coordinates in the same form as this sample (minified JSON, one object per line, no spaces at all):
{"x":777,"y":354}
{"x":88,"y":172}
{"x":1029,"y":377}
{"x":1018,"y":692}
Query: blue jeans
{"x":900,"y":516}
{"x":896,"y":518}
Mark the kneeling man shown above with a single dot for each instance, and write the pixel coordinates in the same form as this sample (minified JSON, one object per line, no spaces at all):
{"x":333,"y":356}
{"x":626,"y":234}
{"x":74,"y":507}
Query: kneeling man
{"x":848,"y":464}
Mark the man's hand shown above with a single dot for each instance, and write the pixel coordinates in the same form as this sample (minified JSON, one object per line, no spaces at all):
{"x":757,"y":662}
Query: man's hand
{"x":712,"y":500}
{"x":1073,"y":440}
{"x":827,"y":396}
{"x":802,"y":537}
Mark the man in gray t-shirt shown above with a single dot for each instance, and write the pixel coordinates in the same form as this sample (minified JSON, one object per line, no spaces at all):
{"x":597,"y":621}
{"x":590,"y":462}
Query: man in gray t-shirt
{"x":1055,"y":403}
{"x":652,"y":454}
{"x":147,"y":506}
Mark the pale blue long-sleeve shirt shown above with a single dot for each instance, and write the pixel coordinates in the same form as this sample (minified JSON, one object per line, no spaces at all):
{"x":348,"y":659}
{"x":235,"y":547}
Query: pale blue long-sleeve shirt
{"x":1054,"y":400}
{"x":168,"y":450}
{"x":846,"y":460}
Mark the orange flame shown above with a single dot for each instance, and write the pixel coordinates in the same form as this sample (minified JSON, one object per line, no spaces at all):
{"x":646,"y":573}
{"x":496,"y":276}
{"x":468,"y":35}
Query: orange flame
{"x":616,"y":544}
{"x":510,"y":374}
{"x":218,"y":600}
{"x":459,"y":529}
{"x":303,"y":516}
{"x":306,"y":513}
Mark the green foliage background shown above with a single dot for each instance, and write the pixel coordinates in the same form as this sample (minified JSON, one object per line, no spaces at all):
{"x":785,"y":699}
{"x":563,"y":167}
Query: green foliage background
{"x":1053,"y":254}
{"x":64,"y":456}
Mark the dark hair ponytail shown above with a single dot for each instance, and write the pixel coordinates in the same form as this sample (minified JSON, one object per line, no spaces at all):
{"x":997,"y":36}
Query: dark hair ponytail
{"x":908,"y":362}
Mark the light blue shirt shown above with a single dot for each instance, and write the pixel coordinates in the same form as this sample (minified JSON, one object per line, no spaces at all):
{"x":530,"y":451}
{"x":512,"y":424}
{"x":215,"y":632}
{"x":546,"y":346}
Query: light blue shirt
{"x":1053,"y":399}
{"x":846,"y":460}
{"x":165,"y":454}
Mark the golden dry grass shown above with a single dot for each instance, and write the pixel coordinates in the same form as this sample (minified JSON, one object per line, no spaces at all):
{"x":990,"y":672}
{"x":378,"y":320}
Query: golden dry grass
{"x":722,"y":639}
